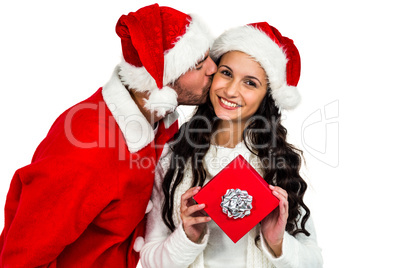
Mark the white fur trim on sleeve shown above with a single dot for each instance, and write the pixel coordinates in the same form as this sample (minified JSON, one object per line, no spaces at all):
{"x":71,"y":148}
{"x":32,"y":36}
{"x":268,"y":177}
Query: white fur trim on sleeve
{"x":137,"y":131}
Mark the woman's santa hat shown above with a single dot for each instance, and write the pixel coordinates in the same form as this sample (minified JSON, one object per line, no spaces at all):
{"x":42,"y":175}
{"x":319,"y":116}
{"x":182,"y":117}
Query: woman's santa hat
{"x":276,"y":54}
{"x":160,"y":44}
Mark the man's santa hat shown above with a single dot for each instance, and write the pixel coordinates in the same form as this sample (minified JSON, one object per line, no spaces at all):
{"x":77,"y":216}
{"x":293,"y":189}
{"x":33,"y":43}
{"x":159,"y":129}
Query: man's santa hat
{"x":276,"y":54}
{"x":160,"y":44}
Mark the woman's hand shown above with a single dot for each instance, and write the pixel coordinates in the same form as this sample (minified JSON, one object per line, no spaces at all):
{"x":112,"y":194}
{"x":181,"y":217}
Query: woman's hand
{"x":273,"y":226}
{"x":194,"y":222}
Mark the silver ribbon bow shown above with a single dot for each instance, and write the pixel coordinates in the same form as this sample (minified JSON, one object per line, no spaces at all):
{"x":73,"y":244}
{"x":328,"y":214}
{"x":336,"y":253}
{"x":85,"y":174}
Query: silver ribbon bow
{"x":236,"y":203}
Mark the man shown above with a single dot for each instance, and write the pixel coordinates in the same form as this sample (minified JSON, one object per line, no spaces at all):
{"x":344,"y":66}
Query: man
{"x":82,"y":200}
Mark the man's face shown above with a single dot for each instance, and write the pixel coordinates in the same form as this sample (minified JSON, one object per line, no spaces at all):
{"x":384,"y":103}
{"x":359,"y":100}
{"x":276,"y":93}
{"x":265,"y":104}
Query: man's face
{"x":193,"y":86}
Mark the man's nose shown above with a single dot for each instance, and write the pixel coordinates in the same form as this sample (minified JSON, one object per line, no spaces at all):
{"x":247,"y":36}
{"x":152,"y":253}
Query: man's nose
{"x":212,"y":68}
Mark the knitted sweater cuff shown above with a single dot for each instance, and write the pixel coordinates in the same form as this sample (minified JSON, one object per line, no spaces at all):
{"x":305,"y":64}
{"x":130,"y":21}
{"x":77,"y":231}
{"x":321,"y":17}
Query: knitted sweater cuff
{"x":290,"y":249}
{"x":182,"y":249}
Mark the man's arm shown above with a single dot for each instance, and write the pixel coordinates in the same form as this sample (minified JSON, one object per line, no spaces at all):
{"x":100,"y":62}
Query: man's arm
{"x":49,"y":205}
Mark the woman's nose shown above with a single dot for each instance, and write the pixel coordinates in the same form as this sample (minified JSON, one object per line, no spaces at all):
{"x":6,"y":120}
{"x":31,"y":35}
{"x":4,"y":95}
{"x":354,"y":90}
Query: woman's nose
{"x":232,"y":89}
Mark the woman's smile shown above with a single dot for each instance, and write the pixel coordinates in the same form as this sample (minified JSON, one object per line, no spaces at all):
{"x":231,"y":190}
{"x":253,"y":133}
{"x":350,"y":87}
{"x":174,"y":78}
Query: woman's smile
{"x":228,"y":104}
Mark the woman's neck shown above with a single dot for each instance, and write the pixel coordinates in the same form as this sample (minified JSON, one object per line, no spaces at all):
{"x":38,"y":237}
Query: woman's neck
{"x":228,"y":134}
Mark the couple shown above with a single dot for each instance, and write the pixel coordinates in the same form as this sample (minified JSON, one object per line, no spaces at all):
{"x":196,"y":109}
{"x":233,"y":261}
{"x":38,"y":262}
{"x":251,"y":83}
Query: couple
{"x":82,"y":200}
{"x":257,"y":73}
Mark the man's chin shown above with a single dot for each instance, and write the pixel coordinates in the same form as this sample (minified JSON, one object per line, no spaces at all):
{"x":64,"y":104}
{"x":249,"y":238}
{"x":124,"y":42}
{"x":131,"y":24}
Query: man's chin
{"x":202,"y":100}
{"x":195,"y":100}
{"x":198,"y":102}
{"x":204,"y":96}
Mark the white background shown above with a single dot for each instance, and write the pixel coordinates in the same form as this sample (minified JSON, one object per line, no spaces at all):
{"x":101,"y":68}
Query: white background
{"x":53,"y":55}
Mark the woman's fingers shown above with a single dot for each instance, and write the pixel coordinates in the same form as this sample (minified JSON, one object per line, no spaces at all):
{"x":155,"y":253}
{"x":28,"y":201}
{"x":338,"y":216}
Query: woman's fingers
{"x":188,"y":208}
{"x":282,"y":195}
{"x":279,"y":191}
{"x":190,"y":193}
{"x":196,"y":220}
{"x":192,"y":209}
{"x":186,"y":196}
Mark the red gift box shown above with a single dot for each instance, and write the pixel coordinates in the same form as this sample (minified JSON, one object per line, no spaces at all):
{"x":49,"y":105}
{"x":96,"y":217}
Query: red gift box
{"x":238,"y":174}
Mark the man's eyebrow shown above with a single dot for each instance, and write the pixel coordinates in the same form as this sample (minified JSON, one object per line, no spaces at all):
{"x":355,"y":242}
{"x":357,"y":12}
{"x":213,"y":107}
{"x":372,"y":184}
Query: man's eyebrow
{"x":204,"y":59}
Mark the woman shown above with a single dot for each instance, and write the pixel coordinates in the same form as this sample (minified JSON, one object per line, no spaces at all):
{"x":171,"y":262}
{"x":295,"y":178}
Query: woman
{"x":256,"y":78}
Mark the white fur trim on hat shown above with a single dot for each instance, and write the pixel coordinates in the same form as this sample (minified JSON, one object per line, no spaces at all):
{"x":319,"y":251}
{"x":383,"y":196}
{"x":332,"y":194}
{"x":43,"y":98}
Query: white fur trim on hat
{"x":286,"y":97}
{"x":267,"y":53}
{"x":187,"y":51}
{"x":162,"y":101}
{"x":136,"y":78}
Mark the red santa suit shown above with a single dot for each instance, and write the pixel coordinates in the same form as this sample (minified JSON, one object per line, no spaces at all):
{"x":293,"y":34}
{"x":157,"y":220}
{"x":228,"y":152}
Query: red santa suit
{"x":82,"y":200}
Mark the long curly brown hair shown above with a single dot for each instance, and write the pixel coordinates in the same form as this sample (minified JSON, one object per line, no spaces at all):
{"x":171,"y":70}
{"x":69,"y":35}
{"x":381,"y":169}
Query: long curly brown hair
{"x":266,"y":138}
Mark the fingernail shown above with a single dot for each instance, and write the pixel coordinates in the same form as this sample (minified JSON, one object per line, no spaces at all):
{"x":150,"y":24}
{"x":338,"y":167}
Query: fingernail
{"x":271,"y":187}
{"x":201,"y":205}
{"x":275,"y":192}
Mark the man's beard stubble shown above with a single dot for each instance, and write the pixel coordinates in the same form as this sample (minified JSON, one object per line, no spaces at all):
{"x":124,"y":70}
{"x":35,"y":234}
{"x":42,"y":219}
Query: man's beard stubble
{"x":187,"y":97}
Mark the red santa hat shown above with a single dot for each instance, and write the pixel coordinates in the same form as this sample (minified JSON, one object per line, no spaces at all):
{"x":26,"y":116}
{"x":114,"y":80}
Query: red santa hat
{"x":276,"y":54}
{"x":160,"y":44}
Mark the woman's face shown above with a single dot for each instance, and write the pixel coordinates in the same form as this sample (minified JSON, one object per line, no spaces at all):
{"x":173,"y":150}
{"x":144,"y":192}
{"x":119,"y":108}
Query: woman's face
{"x":238,"y":87}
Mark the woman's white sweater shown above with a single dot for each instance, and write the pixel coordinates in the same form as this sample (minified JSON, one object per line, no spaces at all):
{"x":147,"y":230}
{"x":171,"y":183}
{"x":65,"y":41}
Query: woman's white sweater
{"x":166,"y":249}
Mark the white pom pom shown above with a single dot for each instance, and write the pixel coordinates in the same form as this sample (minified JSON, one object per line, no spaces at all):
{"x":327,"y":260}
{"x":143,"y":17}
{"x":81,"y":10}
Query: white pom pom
{"x":136,"y":78}
{"x":286,"y":97}
{"x":138,"y":244}
{"x":162,"y":101}
{"x":149,"y":207}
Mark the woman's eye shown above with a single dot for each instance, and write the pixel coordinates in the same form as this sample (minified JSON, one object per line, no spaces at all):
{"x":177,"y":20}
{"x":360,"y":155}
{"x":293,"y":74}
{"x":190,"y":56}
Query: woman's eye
{"x":226,"y":73}
{"x":198,"y":68}
{"x":251,"y":83}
